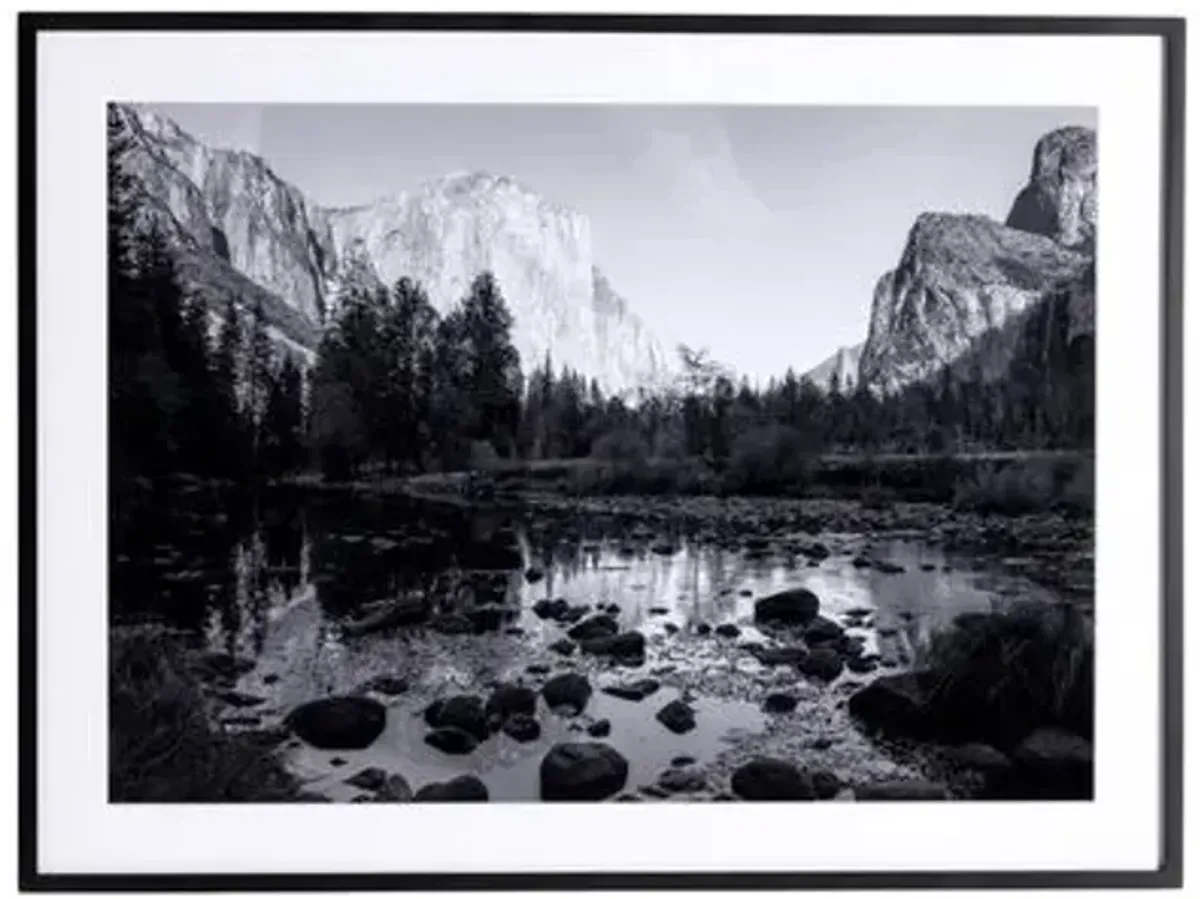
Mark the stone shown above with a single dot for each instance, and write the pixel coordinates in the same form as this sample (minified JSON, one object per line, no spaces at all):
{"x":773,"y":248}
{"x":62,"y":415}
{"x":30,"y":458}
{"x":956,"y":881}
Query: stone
{"x":825,"y":784}
{"x":681,"y":780}
{"x":821,"y":663}
{"x":901,"y":790}
{"x":594,"y":627}
{"x":979,"y":757}
{"x":466,"y":713}
{"x":635,"y":691}
{"x":386,"y":685}
{"x":466,"y":788}
{"x":728,"y":630}
{"x":766,"y":779}
{"x":563,"y":647}
{"x":779,"y":703}
{"x":822,"y":630}
{"x":567,"y":690}
{"x":508,"y":700}
{"x":338,"y":722}
{"x":677,"y":717}
{"x":703,"y":629}
{"x":628,"y":648}
{"x":862,"y":664}
{"x":781,"y":655}
{"x":533,"y":574}
{"x":582,"y":771}
{"x":522,"y":728}
{"x":452,"y":741}
{"x":368,"y":779}
{"x":797,"y":606}
{"x":601,"y":728}
{"x":895,"y":705}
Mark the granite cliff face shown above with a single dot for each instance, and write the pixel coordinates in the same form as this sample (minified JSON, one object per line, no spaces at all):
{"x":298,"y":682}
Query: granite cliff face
{"x":845,"y":363}
{"x":239,"y":224}
{"x":966,"y":283}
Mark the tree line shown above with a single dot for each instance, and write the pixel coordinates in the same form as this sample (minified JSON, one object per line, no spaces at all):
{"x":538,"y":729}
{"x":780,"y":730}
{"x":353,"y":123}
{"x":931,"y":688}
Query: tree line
{"x":397,"y":386}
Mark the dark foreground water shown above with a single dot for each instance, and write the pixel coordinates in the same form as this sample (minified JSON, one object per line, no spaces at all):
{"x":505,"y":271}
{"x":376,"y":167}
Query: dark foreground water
{"x":277,"y":583}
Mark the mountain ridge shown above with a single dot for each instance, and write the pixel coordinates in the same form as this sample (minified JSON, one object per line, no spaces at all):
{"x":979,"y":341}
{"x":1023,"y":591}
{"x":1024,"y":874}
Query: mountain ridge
{"x":228,"y":209}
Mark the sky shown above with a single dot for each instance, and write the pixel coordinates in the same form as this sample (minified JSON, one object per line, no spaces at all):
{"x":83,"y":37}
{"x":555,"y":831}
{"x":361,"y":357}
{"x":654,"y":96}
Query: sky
{"x":755,"y":231}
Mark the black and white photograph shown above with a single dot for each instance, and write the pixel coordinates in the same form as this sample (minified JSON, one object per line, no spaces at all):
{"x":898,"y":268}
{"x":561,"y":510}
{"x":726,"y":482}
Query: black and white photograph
{"x":526,"y":451}
{"x":642,"y":453}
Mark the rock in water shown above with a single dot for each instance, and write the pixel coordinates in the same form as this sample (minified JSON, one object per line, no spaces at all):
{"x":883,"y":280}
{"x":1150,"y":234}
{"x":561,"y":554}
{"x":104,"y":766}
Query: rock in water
{"x":567,"y":690}
{"x":508,"y":700}
{"x":593,"y":628}
{"x":339,"y":722}
{"x":901,"y":790}
{"x":452,"y":741}
{"x":522,"y":728}
{"x":677,"y":716}
{"x":771,"y":780}
{"x":465,"y":713}
{"x":635,"y":691}
{"x":628,"y":648}
{"x":582,"y":771}
{"x":797,"y":606}
{"x":461,"y":789}
{"x":896,"y":705}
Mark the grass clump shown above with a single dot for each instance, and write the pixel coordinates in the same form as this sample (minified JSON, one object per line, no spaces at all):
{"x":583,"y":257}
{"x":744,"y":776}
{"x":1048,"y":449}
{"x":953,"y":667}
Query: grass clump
{"x":1027,"y":486}
{"x":998,"y":676}
{"x":162,"y":746}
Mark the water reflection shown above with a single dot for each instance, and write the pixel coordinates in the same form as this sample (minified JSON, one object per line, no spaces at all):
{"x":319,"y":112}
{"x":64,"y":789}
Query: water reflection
{"x":278,"y":584}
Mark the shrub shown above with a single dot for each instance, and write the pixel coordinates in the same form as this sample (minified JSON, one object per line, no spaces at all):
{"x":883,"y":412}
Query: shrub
{"x":999,"y":676}
{"x":768,"y":460}
{"x":161,"y":745}
{"x":622,"y":445}
{"x":1036,"y":484}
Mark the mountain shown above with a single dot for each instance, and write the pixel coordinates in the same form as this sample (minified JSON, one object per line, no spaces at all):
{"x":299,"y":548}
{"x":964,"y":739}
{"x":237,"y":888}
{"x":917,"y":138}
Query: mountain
{"x":844,"y":362}
{"x":241,"y":230}
{"x":965,"y":283}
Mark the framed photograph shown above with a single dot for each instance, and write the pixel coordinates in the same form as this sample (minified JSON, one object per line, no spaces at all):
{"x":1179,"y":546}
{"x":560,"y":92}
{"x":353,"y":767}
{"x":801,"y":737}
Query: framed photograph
{"x":490,"y":452}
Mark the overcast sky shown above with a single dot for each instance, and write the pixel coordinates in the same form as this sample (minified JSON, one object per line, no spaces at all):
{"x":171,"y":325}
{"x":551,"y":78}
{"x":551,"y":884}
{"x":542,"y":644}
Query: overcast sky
{"x":758,"y":232}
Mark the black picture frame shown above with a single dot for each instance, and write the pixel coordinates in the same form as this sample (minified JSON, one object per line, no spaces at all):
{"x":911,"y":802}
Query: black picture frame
{"x":1171,"y":31}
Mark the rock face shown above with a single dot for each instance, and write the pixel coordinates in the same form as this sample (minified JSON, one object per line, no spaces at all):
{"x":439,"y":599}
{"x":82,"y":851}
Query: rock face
{"x":239,"y":223}
{"x":844,"y":363}
{"x":1060,"y":199}
{"x":966,"y":286}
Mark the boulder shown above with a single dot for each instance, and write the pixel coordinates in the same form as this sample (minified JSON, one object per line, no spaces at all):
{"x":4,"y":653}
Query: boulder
{"x":979,"y":757}
{"x":728,"y":630}
{"x":779,"y":703}
{"x":902,"y":790}
{"x":461,"y":789}
{"x":582,"y":771}
{"x":628,"y":648}
{"x":781,"y":655}
{"x":563,"y":647}
{"x":823,"y":630}
{"x":826,"y":784}
{"x":466,"y":713}
{"x":567,"y":690}
{"x":677,"y":716}
{"x":766,"y":779}
{"x":508,"y":700}
{"x":798,"y":606}
{"x":1051,"y":763}
{"x":821,"y":663}
{"x":522,"y":728}
{"x":452,"y":741}
{"x":533,"y":574}
{"x":601,"y":728}
{"x":895,"y":705}
{"x":635,"y":691}
{"x":682,"y":780}
{"x":385,"y":685}
{"x":593,"y":627}
{"x":338,"y":722}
